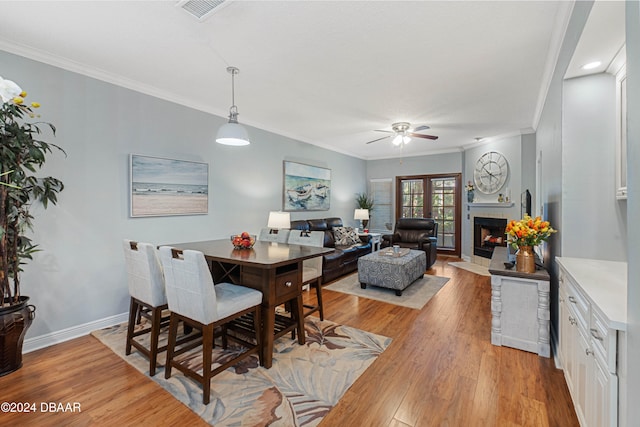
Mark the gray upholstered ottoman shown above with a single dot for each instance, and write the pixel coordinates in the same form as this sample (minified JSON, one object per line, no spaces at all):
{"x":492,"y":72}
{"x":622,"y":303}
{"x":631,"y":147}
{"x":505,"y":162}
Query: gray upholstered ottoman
{"x":393,"y":272}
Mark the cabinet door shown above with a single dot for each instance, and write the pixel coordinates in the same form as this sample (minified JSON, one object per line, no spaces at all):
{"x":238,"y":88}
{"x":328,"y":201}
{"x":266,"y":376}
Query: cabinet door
{"x":602,"y":386}
{"x":567,"y":339}
{"x":582,"y":377}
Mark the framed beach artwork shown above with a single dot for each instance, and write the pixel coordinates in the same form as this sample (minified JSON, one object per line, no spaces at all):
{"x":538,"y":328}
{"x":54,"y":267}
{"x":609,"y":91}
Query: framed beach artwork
{"x":164,"y":187}
{"x":306,"y":187}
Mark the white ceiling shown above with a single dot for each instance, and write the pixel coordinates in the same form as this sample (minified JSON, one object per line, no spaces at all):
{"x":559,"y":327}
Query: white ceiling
{"x":323,"y":72}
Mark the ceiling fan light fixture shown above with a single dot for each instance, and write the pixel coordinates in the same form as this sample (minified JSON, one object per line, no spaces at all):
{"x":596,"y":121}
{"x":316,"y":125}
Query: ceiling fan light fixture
{"x":233,"y":133}
{"x":397,"y":140}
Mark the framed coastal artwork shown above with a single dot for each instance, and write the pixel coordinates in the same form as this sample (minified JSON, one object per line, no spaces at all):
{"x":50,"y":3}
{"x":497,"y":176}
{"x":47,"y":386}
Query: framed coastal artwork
{"x":306,"y":187}
{"x":164,"y":187}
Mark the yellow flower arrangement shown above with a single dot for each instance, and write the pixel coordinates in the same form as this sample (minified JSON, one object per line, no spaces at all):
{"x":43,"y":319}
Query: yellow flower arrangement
{"x":528,"y":231}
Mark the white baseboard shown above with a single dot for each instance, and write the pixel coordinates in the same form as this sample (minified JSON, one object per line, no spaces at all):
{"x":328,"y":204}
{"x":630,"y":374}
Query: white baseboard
{"x":63,"y":335}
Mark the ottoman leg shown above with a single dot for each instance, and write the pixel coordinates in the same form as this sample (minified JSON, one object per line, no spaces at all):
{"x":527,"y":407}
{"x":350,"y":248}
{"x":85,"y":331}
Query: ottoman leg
{"x":398,"y":292}
{"x":363,"y":285}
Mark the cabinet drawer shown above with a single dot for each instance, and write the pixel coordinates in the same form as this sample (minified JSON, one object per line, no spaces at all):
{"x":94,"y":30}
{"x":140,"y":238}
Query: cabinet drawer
{"x":577,"y":302}
{"x":287,"y":285}
{"x":604,"y":341}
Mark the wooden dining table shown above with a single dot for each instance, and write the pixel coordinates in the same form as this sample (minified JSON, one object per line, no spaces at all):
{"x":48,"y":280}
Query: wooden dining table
{"x":275,"y":269}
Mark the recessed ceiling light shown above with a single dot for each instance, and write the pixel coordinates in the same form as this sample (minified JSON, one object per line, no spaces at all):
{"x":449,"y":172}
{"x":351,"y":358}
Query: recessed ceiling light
{"x":591,"y":65}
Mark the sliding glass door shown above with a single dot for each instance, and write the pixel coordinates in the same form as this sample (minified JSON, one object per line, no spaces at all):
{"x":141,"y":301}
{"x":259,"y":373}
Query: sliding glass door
{"x":437,"y":197}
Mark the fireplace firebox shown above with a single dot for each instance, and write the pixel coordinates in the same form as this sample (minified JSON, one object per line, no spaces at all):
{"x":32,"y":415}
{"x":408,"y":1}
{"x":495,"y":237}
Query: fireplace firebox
{"x":487,"y":234}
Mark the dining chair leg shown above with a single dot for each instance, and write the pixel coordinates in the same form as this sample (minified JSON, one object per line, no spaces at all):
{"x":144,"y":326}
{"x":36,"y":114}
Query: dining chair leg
{"x":171,"y":345}
{"x":133,"y":311}
{"x":318,"y":287}
{"x":156,"y":319}
{"x":207,"y":350}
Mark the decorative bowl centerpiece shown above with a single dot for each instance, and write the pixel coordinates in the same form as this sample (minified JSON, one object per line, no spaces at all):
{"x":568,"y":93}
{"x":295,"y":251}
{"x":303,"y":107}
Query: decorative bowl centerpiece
{"x":243,"y":240}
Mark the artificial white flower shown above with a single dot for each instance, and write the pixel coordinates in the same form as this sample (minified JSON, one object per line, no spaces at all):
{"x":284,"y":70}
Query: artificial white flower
{"x":8,"y":90}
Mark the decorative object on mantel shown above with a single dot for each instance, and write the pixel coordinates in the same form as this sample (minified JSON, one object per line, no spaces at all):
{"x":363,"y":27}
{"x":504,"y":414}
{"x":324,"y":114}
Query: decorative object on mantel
{"x":470,"y":191}
{"x":500,"y":198}
{"x":491,"y":172}
{"x":22,"y":155}
{"x":232,"y":133}
{"x":243,"y":240}
{"x":524,"y":235}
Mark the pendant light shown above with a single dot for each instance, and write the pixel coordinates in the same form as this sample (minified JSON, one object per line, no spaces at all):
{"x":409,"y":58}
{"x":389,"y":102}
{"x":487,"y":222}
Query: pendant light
{"x":232,"y":133}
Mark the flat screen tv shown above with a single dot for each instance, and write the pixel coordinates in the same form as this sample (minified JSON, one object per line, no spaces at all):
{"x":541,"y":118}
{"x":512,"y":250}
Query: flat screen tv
{"x":525,"y":204}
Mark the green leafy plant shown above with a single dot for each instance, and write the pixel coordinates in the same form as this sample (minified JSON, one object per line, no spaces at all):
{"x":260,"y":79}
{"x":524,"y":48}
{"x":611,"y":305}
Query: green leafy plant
{"x":22,"y":154}
{"x":363,"y":201}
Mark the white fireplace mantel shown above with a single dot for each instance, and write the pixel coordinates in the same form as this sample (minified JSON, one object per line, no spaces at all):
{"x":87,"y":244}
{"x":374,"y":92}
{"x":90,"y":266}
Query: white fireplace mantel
{"x":490,"y":205}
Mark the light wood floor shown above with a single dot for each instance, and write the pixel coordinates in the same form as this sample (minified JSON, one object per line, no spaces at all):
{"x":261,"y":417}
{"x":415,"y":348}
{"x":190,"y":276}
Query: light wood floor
{"x":440,"y":370}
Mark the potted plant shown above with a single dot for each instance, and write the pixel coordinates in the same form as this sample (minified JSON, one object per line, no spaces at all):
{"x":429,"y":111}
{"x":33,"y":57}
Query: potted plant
{"x":21,"y":155}
{"x":363,"y":201}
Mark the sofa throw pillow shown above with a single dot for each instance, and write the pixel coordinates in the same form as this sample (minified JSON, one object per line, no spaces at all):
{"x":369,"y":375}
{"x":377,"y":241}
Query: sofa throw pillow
{"x":345,"y":236}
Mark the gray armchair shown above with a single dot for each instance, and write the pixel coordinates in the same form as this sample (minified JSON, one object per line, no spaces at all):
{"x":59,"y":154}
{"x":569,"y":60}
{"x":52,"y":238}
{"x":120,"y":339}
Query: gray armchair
{"x":415,"y":233}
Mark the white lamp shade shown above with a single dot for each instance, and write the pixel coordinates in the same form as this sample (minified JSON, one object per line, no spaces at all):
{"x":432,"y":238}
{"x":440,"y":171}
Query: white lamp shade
{"x":232,"y":134}
{"x":279,"y":220}
{"x":361,"y":214}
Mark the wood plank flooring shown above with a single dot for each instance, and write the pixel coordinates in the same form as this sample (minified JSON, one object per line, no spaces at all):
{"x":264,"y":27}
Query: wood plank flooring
{"x":440,"y":370}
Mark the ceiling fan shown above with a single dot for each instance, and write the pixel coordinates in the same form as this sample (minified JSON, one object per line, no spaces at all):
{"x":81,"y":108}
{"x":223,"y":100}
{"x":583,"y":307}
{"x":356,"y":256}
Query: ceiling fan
{"x":402,"y":133}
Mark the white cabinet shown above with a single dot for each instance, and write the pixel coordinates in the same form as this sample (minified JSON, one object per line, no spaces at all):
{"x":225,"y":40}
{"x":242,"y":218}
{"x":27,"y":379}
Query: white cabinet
{"x":590,"y":317}
{"x":520,"y":302}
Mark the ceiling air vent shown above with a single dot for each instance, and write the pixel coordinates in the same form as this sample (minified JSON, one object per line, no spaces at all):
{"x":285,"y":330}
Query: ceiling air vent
{"x":202,"y":9}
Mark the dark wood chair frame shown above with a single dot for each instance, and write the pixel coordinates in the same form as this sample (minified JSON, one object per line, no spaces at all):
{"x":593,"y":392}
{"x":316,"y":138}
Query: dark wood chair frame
{"x":207,"y":342}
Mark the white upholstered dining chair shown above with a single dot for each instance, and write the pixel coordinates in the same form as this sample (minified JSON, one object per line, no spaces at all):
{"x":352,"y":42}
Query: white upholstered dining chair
{"x":148,"y":299}
{"x":311,"y":268}
{"x":267,"y":236}
{"x":193,"y":298}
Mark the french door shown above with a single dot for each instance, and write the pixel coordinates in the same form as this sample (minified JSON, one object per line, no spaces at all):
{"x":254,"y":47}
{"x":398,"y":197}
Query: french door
{"x":437,"y":197}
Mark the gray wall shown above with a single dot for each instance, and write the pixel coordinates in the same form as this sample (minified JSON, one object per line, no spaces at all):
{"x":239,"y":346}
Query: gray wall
{"x":632,"y":387}
{"x":590,"y":210}
{"x":512,"y":149}
{"x":79,"y":277}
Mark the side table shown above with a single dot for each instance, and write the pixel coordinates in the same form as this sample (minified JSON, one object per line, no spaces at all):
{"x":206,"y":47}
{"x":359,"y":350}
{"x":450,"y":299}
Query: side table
{"x":375,"y":239}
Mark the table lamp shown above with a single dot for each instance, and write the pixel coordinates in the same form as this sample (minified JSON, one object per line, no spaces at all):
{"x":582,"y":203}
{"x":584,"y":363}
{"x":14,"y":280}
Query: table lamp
{"x":363,"y":216}
{"x":278,"y":220}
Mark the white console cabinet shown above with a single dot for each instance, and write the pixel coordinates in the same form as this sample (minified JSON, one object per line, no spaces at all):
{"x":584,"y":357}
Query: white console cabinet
{"x":520,"y":304}
{"x":592,"y":317}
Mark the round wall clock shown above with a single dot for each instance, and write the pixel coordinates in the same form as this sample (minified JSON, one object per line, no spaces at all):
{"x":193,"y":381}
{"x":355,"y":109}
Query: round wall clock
{"x":491,"y":172}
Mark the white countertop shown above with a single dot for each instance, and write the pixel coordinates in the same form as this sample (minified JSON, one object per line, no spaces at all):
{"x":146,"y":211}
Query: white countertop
{"x":604,"y":283}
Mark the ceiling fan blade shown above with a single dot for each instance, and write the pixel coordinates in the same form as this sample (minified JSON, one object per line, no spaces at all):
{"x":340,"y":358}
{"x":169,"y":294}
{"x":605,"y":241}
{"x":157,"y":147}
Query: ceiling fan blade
{"x":419,"y":135}
{"x":423,"y":127}
{"x":382,"y":130}
{"x":384,"y":137}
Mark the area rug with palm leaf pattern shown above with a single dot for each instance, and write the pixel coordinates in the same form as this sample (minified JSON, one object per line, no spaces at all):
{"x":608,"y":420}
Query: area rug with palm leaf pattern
{"x":301,"y":387}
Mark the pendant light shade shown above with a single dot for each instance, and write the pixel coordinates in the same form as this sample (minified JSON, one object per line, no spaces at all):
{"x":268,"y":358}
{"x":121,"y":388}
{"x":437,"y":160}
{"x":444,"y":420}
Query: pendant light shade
{"x":232,"y":133}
